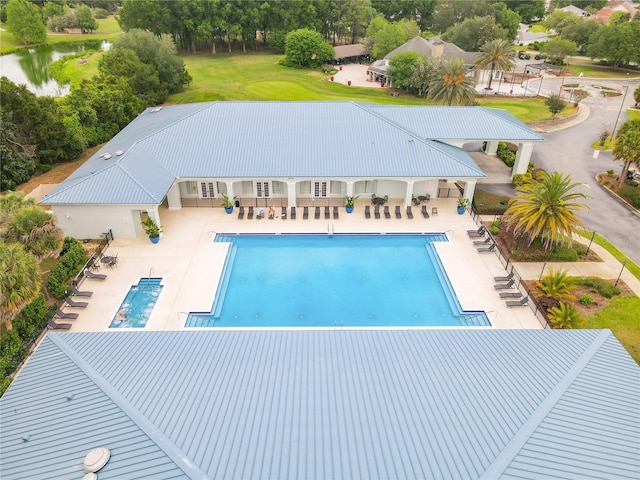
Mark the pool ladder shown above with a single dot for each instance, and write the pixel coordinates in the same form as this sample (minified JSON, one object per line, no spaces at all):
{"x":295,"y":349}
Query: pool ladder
{"x":151,"y":272}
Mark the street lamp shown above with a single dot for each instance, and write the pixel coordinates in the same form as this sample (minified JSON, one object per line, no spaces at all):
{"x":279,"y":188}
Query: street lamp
{"x":626,"y":89}
{"x":526,"y":72}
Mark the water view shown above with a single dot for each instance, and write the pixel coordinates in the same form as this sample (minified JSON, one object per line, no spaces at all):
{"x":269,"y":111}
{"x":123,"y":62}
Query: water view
{"x":30,"y":66}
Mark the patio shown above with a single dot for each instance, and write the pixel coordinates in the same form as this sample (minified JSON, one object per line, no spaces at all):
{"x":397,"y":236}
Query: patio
{"x":190,"y":264}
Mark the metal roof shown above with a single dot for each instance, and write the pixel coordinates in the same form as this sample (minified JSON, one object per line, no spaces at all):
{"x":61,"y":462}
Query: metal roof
{"x":281,"y":140}
{"x":326,"y":404}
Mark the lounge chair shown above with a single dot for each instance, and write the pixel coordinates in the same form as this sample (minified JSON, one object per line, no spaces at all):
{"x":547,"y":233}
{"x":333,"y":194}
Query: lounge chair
{"x":477,"y":233}
{"x":53,"y":325}
{"x":293,"y":213}
{"x":367,"y":211}
{"x":398,"y":214}
{"x":305,"y":213}
{"x":60,"y":314}
{"x":409,"y":212}
{"x":335,"y":213}
{"x":250,"y":213}
{"x":260,"y":214}
{"x":75,"y":304}
{"x":94,"y":276}
{"x":79,"y":293}
{"x":376,"y":211}
{"x":504,"y":286}
{"x":327,"y":212}
{"x":487,"y":249}
{"x":434,"y":211}
{"x":240,"y":213}
{"x":387,"y":213}
{"x":517,"y":303}
{"x":510,"y":294}
{"x":503,"y":279}
{"x":425,"y":214}
{"x":283,"y":214}
{"x":317,"y":213}
{"x":486,"y":241}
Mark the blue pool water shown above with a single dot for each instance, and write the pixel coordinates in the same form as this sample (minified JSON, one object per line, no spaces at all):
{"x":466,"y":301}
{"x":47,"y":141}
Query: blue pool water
{"x":337,"y":280}
{"x":137,"y":306}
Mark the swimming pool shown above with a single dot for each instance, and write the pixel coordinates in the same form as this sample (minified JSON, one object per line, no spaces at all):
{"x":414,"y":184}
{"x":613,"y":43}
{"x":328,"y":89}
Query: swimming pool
{"x":334,"y":280}
{"x":137,"y":306}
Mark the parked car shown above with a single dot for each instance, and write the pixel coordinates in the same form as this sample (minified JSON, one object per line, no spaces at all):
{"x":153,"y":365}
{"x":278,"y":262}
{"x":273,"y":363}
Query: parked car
{"x":538,"y":57}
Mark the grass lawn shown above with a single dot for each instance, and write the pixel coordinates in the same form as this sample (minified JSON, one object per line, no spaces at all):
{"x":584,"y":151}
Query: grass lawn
{"x":621,"y":317}
{"x":608,"y":145}
{"x":588,"y":69}
{"x":108,"y":29}
{"x":633,"y":114}
{"x":537,"y":28}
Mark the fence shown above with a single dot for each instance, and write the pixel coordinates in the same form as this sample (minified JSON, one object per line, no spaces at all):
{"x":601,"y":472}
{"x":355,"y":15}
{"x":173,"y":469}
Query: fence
{"x":107,"y":238}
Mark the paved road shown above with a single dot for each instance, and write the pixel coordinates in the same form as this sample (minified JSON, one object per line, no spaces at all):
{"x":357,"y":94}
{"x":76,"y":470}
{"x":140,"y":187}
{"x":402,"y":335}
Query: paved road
{"x":569,"y":151}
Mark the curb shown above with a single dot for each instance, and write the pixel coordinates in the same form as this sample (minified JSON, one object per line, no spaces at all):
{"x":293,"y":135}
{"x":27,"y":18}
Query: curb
{"x":553,"y":125}
{"x":621,"y":200}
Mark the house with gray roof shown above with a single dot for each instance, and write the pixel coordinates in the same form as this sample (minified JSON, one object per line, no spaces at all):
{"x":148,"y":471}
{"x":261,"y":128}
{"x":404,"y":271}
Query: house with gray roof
{"x":324,"y":404}
{"x":430,"y":48}
{"x":279,"y":152}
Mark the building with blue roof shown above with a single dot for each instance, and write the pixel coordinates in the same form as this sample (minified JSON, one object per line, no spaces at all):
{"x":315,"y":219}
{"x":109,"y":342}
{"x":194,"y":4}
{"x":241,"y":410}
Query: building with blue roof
{"x":325,"y":404}
{"x":285,"y":152}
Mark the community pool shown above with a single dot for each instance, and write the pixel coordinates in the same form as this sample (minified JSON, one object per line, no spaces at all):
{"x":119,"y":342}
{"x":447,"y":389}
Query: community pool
{"x":334,"y":280}
{"x":137,"y":306}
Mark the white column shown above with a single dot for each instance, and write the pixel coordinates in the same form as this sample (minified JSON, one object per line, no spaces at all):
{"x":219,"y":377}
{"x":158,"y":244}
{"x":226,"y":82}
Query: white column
{"x":525,"y":149}
{"x":173,"y":197}
{"x":469,"y":189}
{"x":408,"y":192}
{"x":154,"y":215}
{"x":291,"y":193}
{"x":492,"y":147}
{"x":229,"y":190}
{"x":349,"y":188}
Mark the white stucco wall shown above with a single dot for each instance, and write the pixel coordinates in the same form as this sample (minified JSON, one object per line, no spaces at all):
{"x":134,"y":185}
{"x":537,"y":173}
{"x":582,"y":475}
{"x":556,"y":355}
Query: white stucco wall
{"x":91,"y":221}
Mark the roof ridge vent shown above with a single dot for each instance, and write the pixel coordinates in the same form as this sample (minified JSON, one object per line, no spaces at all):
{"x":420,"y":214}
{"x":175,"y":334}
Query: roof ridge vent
{"x":119,"y":152}
{"x":156,"y":109}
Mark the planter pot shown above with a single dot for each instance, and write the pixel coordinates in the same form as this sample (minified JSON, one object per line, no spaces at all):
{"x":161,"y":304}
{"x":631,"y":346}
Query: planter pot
{"x":154,"y":239}
{"x":349,"y":82}
{"x":229,"y":210}
{"x":332,"y":78}
{"x":382,"y":84}
{"x":461,"y":210}
{"x":340,"y":67}
{"x":349,"y":209}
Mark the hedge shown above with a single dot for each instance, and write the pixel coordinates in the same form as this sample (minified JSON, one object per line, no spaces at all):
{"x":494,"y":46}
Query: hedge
{"x":68,"y":266}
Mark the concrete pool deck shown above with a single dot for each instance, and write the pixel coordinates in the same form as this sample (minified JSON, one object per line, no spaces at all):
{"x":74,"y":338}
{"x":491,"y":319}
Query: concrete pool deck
{"x":190,"y":264}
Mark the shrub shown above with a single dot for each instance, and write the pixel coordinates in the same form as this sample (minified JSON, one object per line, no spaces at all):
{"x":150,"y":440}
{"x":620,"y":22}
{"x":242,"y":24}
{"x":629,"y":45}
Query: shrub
{"x":521,"y":179}
{"x":631,"y":195}
{"x":495,"y":227}
{"x":555,"y":284}
{"x":100,"y":13}
{"x":32,"y":319}
{"x":600,"y":285}
{"x":13,"y":351}
{"x":610,"y":172}
{"x":585,"y":300}
{"x":505,"y":154}
{"x":68,"y":265}
{"x":564,"y":316}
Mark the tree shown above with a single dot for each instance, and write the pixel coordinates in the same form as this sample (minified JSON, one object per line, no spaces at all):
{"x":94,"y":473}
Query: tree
{"x":558,"y":48}
{"x":627,"y":147}
{"x":24,"y":21}
{"x":618,"y":44}
{"x":420,"y":76}
{"x":506,"y":19}
{"x":451,"y":84}
{"x":86,"y":22}
{"x":498,"y":55}
{"x":580,"y":32}
{"x":18,"y":161}
{"x":546,"y":210}
{"x":419,"y":10}
{"x":555,"y":104}
{"x":474,"y":32}
{"x":383,"y":37}
{"x":20,"y":280}
{"x":636,"y":95}
{"x":36,"y":229}
{"x":529,"y":10}
{"x":558,"y":20}
{"x":401,"y":68}
{"x":305,"y":48}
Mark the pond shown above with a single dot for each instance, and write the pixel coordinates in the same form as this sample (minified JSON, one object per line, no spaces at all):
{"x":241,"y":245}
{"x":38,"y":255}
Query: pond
{"x":30,"y":66}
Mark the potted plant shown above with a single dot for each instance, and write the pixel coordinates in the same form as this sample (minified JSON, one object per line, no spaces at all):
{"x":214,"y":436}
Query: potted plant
{"x":349,"y":203}
{"x":228,"y":203}
{"x":152,"y":229}
{"x":463,"y":203}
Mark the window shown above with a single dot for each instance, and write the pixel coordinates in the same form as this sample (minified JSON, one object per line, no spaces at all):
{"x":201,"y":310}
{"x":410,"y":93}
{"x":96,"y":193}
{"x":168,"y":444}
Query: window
{"x":191,"y":188}
{"x":203,"y":185}
{"x":222,"y":188}
{"x":320,"y":189}
{"x":335,"y":187}
{"x":212,"y":192}
{"x":276,"y":187}
{"x":247,"y":187}
{"x":262,"y":189}
{"x":365,"y":186}
{"x":305,"y":187}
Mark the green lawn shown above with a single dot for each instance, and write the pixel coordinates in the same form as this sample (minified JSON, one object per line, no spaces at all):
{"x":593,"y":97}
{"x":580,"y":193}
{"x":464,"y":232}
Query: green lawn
{"x":621,"y":317}
{"x":108,"y":29}
{"x":576,"y":67}
{"x":537,"y":28}
{"x":633,"y":114}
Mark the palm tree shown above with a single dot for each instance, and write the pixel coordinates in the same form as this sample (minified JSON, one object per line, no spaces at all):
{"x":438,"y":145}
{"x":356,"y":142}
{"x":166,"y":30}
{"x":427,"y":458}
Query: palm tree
{"x":451,"y":84}
{"x":546,"y":209}
{"x":627,"y":147}
{"x":564,"y":316}
{"x":555,"y":284}
{"x":497,"y":54}
{"x":19,"y":280}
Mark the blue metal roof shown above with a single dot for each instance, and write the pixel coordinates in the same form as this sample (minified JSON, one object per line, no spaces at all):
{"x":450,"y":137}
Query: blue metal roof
{"x":327,"y":404}
{"x":281,"y":140}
